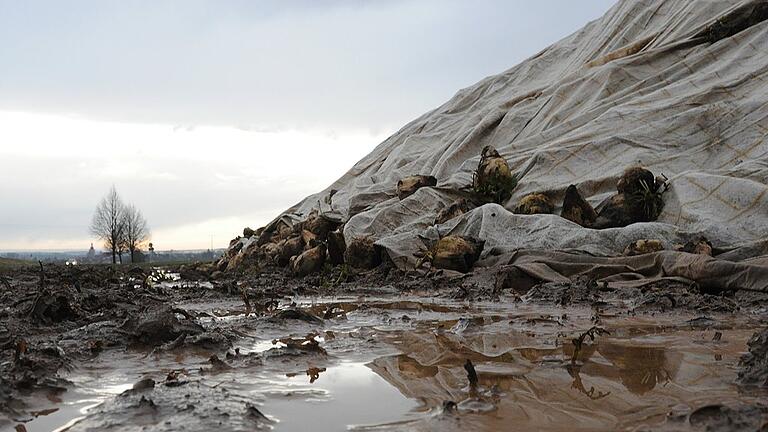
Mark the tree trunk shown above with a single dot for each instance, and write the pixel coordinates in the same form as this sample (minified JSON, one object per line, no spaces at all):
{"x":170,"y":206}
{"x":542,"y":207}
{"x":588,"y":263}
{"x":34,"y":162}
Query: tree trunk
{"x":114,"y":252}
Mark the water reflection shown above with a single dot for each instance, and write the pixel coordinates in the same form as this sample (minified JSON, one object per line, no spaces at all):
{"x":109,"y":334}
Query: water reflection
{"x":430,"y":368}
{"x":354,"y":395}
{"x":529,"y":373}
{"x":411,"y":368}
{"x":641,"y":368}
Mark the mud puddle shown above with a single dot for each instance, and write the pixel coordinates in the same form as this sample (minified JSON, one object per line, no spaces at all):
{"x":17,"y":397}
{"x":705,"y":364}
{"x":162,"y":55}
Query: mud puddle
{"x":373,"y":363}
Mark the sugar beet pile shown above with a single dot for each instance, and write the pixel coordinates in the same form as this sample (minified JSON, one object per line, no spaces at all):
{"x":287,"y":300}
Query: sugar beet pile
{"x":633,"y":150}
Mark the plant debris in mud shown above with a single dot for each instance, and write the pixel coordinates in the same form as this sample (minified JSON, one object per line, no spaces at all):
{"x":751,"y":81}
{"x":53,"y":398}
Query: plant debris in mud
{"x":313,"y":373}
{"x":578,"y":342}
{"x":471,"y":374}
{"x":270,"y":296}
{"x":58,"y":315}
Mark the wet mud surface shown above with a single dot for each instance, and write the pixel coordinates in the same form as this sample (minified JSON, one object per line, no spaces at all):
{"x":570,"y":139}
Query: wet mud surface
{"x":382,"y":351}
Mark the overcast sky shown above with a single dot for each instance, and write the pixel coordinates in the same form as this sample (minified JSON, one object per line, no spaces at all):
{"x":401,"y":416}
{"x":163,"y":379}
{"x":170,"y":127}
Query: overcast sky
{"x":213,"y":115}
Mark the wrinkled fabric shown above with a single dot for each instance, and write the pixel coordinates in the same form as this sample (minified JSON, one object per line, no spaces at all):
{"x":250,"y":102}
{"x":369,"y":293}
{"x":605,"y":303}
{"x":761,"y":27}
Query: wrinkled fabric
{"x":639,"y":85}
{"x":711,"y":274}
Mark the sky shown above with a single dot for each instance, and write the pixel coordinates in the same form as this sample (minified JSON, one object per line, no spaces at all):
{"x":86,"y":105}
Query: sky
{"x":213,"y":115}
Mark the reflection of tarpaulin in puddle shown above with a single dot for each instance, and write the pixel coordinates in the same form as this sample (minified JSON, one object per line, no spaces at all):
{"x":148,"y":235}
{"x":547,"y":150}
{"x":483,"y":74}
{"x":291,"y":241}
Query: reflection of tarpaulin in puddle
{"x":524,"y":268}
{"x":639,"y":368}
{"x":541,"y":393}
{"x":529,"y":401}
{"x":678,"y":86}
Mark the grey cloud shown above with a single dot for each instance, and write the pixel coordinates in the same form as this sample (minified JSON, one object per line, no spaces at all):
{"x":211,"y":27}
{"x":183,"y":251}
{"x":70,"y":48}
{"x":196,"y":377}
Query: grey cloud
{"x":330,"y":66}
{"x":290,"y":64}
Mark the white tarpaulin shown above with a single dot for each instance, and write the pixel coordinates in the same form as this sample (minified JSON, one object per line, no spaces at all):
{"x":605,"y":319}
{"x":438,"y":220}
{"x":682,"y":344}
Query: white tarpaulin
{"x":639,"y":85}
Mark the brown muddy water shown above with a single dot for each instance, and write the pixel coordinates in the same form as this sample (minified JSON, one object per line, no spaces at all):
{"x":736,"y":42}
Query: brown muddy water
{"x":399,"y":365}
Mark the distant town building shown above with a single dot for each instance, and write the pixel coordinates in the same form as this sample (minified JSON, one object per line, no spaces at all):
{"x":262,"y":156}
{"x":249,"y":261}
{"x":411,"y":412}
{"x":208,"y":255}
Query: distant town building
{"x":91,"y":256}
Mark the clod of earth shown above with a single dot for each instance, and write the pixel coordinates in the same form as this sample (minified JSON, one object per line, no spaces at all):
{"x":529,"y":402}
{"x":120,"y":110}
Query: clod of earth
{"x":160,"y":325}
{"x":51,"y":308}
{"x":409,"y":185}
{"x":197,"y":271}
{"x":140,"y":386}
{"x":753,"y":366}
{"x":217,"y":364}
{"x":210,"y":340}
{"x":718,"y":418}
{"x":296,"y":314}
{"x":234,"y":244}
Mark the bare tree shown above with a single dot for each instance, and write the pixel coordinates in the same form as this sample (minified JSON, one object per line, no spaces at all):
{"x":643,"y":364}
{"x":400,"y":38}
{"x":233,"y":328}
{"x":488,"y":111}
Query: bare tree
{"x":107,"y":222}
{"x":136,"y":230}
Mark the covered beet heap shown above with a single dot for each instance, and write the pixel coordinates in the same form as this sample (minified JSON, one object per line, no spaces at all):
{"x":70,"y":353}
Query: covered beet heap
{"x":647,"y":124}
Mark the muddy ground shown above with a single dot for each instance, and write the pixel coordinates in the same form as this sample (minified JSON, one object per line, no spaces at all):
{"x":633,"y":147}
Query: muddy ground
{"x":92,"y":348}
